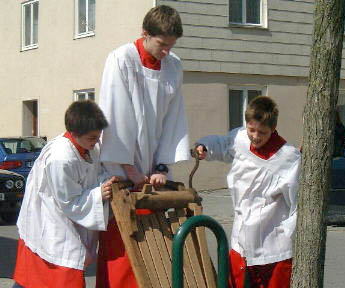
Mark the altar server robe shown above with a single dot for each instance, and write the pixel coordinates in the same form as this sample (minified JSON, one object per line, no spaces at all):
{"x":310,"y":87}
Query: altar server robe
{"x":145,"y":111}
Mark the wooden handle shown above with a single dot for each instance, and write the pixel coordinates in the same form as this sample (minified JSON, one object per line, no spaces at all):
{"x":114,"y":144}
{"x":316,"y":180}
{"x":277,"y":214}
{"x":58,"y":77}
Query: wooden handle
{"x":125,"y":184}
{"x":158,"y":200}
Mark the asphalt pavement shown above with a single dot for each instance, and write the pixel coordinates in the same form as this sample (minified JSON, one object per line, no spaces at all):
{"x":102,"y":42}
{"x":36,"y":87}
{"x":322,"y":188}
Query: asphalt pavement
{"x":217,"y":204}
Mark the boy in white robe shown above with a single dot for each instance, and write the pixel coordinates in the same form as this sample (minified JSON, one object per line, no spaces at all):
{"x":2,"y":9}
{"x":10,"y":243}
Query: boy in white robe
{"x":142,"y":99}
{"x":64,"y":204}
{"x":263,"y":180}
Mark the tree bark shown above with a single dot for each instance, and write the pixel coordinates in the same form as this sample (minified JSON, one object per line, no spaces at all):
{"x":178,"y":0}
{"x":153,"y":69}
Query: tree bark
{"x":317,"y":148}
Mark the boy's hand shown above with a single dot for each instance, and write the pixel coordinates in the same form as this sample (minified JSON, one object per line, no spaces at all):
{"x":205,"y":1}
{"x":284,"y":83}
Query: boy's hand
{"x":158,"y":179}
{"x":106,"y":188}
{"x":201,"y":151}
{"x":135,"y":176}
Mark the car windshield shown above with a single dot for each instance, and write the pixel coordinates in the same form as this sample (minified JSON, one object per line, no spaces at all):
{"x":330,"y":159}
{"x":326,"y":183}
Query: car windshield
{"x":22,"y":145}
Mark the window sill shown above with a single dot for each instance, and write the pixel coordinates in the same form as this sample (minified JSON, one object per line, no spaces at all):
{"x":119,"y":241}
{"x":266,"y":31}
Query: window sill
{"x":248,"y":26}
{"x":31,"y":47}
{"x":84,"y":35}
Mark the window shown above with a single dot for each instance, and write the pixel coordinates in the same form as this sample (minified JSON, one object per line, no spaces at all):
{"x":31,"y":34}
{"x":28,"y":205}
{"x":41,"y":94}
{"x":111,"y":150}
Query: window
{"x":85,"y":18}
{"x":341,"y":105}
{"x":29,"y":25}
{"x":238,"y":100}
{"x":86,"y":94}
{"x":248,"y":12}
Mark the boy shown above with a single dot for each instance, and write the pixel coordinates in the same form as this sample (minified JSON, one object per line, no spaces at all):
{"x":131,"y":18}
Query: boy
{"x":142,"y":100}
{"x":263,"y":180}
{"x":63,"y":204}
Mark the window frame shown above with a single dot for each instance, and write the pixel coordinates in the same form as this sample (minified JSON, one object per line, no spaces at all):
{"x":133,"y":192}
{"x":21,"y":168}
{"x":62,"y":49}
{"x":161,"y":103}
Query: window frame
{"x":263,"y":16}
{"x":245,"y":90}
{"x":87,"y":33}
{"x":340,"y":106}
{"x":86,"y":92}
{"x":31,"y":45}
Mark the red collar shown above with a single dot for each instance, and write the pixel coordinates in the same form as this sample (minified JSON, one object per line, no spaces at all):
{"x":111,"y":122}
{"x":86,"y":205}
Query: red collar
{"x":270,"y":148}
{"x":146,"y":58}
{"x":82,"y":151}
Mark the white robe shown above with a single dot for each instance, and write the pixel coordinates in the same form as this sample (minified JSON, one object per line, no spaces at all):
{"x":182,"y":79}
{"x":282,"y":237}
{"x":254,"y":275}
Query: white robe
{"x":145,"y":111}
{"x":62,"y":205}
{"x":264,"y":196}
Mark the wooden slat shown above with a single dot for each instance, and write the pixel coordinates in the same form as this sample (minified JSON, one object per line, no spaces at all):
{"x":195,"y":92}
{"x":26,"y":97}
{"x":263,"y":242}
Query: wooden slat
{"x":208,"y":268}
{"x":174,"y":221}
{"x":122,"y":206}
{"x":146,"y":255}
{"x":162,"y":248}
{"x":168,"y":236}
{"x":154,"y":250}
{"x":191,"y":251}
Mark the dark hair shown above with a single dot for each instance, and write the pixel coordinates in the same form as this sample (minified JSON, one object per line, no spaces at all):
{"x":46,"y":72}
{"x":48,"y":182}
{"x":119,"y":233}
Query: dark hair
{"x":163,"y":20}
{"x":83,"y":117}
{"x":264,"y":110}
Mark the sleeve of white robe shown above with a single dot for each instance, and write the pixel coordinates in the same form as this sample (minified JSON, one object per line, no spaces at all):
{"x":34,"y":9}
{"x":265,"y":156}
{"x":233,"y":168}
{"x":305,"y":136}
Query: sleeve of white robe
{"x":174,"y":142}
{"x":219,"y":147}
{"x":119,"y":138}
{"x":84,"y":207}
{"x":289,"y":225}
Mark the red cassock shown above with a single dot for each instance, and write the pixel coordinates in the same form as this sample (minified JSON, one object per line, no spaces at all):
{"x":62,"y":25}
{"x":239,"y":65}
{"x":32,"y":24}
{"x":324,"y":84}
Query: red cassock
{"x":113,"y":266}
{"x":274,"y":275}
{"x":32,"y":271}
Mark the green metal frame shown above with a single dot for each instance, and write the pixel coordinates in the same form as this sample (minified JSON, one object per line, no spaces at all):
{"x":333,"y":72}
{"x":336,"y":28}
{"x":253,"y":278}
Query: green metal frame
{"x":223,"y":249}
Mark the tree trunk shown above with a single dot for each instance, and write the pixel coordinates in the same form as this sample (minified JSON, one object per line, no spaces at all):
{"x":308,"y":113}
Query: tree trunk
{"x":317,"y":149}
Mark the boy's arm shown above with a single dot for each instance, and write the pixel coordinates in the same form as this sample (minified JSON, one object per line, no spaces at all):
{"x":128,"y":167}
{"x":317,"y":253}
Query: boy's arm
{"x":84,"y":207}
{"x":218,"y":147}
{"x":118,"y":139}
{"x":290,"y":196}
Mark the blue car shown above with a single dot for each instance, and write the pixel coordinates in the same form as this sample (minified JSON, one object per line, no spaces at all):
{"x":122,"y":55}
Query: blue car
{"x":18,"y":154}
{"x":11,"y":195}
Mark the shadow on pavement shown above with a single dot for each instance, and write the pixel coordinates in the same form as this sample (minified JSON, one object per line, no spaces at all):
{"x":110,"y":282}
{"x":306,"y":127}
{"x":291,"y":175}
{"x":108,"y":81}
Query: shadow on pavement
{"x":8,"y":256}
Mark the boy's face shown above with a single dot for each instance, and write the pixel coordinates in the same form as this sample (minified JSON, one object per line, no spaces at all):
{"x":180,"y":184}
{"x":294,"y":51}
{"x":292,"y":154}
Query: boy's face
{"x":88,"y":140}
{"x":158,"y":46}
{"x":258,"y":133}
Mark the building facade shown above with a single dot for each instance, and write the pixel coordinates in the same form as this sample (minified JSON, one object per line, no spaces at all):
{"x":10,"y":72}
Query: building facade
{"x":53,"y":53}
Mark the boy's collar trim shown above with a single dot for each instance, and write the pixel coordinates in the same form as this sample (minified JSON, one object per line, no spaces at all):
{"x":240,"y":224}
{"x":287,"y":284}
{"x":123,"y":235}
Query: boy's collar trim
{"x":270,"y":148}
{"x":82,"y":151}
{"x":147,"y":60}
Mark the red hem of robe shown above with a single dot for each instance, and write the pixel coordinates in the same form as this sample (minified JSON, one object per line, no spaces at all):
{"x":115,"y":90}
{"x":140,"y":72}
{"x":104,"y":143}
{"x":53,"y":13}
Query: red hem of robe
{"x":31,"y":271}
{"x":273,"y":275}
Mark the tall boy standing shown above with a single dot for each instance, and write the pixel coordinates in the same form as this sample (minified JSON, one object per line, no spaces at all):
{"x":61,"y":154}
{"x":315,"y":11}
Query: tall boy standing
{"x":64,"y":204}
{"x":263,"y":180}
{"x":142,"y":100}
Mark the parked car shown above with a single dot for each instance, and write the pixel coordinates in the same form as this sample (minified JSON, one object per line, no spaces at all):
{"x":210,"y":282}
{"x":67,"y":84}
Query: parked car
{"x":18,"y":154}
{"x":11,"y":194}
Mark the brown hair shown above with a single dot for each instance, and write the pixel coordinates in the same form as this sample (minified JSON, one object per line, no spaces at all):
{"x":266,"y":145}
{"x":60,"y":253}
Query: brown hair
{"x":83,"y":117}
{"x":163,"y":20}
{"x":264,"y":110}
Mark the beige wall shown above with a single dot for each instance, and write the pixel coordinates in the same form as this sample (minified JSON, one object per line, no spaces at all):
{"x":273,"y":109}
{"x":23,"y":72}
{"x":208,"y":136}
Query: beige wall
{"x":60,"y":64}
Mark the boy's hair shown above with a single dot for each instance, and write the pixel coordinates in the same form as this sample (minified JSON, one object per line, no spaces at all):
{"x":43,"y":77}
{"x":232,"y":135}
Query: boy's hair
{"x":163,"y":20}
{"x":264,"y":110}
{"x":83,"y":117}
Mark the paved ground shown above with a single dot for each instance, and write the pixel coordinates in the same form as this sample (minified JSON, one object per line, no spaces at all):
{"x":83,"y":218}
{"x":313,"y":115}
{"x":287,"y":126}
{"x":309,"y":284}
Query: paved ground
{"x":217,"y":204}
